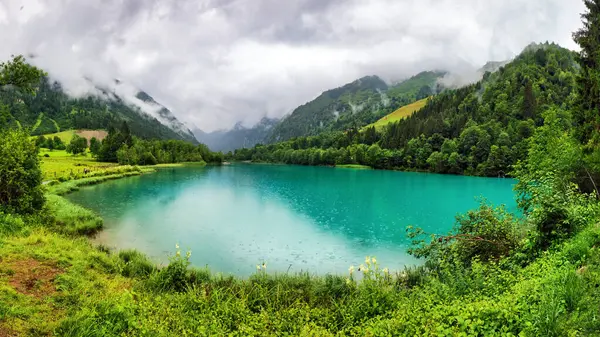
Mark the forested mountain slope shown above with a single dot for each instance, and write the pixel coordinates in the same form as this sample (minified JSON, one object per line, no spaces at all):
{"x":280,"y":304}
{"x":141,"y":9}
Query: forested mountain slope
{"x":355,"y":104}
{"x":480,"y":129}
{"x":52,"y":110}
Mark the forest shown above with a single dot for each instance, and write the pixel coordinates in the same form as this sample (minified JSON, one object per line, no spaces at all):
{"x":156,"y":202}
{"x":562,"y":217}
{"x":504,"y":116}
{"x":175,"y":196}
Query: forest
{"x":481,"y":129}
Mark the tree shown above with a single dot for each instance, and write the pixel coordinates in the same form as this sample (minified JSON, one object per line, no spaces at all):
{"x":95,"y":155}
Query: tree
{"x":437,"y":162}
{"x":587,"y":115}
{"x":110,"y":145}
{"x":77,"y":145}
{"x":58,"y":143}
{"x":40,"y":141}
{"x":95,"y":146}
{"x":20,"y":173}
{"x":20,"y":74}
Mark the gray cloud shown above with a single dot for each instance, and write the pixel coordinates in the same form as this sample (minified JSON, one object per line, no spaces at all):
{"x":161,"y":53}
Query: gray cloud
{"x":216,"y":62}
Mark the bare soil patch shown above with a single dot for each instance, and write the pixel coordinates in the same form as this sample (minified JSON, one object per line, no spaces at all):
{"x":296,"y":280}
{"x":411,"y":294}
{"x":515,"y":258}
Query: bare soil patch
{"x":89,"y":134}
{"x":33,"y":278}
{"x":5,"y":332}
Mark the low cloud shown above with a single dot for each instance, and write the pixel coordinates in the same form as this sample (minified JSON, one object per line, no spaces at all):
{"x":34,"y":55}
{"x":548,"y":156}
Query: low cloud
{"x":217,"y":62}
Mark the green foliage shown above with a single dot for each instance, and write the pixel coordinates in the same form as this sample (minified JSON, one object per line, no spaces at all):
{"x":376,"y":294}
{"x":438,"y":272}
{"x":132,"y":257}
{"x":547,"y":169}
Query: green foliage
{"x":10,"y":224}
{"x":20,"y":74}
{"x":588,"y":90}
{"x":54,"y":143}
{"x":95,"y":146}
{"x":547,"y":189}
{"x":113,"y":142}
{"x":486,"y":234}
{"x":143,"y":152}
{"x":487,"y":124}
{"x":20,"y":173}
{"x":78,"y":145}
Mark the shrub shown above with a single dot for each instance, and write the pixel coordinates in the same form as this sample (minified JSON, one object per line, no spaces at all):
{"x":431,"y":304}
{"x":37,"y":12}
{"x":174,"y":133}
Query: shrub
{"x":10,"y":224}
{"x":20,"y":174}
{"x":486,"y":233}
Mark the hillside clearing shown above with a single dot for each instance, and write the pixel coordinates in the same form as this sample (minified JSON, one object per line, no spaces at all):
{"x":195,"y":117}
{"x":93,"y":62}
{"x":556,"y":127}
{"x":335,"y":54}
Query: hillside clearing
{"x":66,"y":136}
{"x":399,"y":114}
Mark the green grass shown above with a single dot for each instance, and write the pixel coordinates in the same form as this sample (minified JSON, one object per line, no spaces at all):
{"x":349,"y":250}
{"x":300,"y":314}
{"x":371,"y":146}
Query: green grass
{"x":37,"y":122}
{"x":354,"y":166}
{"x":399,"y":114}
{"x":100,"y":176}
{"x":71,"y":218}
{"x":65,"y":136}
{"x":59,"y":165}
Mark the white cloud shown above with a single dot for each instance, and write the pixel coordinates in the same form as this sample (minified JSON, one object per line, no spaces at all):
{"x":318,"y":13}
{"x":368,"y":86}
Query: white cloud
{"x":216,"y":62}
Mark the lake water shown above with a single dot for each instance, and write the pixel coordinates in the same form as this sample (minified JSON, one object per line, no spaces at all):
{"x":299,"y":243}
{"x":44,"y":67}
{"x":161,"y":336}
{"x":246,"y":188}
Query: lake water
{"x":293,"y":218}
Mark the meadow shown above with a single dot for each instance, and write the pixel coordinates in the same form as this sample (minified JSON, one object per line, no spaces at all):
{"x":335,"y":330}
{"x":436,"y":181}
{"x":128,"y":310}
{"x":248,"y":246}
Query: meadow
{"x":399,"y":114}
{"x":60,"y":165}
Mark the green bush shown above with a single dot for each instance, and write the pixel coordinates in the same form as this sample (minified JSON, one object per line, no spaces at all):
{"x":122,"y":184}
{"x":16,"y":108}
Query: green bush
{"x":20,"y":174}
{"x":10,"y":224}
{"x":487,"y":234}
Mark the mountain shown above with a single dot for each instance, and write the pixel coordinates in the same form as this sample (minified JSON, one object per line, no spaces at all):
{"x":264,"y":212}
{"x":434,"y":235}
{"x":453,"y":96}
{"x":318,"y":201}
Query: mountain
{"x":238,"y":137}
{"x":51,"y":110}
{"x":165,"y":116}
{"x":493,"y":66}
{"x":483,"y":128}
{"x":355,"y":104}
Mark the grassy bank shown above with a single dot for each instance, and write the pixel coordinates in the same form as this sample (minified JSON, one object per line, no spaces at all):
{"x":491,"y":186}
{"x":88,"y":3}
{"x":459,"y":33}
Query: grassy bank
{"x":56,"y":284}
{"x":354,"y":166}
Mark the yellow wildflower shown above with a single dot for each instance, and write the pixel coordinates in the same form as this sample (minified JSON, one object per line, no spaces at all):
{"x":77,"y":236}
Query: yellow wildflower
{"x":374,"y":260}
{"x":351,"y":270}
{"x":368,"y":260}
{"x":386,"y":271}
{"x":264,"y":265}
{"x":257,"y":267}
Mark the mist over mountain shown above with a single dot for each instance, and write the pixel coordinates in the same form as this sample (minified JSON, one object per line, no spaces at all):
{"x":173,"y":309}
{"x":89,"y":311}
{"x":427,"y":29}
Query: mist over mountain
{"x":54,"y":109}
{"x":238,"y":137}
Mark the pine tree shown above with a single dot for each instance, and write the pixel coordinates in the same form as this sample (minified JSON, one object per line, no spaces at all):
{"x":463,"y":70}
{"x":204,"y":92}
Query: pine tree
{"x":587,"y":115}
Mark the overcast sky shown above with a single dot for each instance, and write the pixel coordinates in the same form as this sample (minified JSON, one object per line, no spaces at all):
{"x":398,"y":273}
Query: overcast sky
{"x":216,"y":62}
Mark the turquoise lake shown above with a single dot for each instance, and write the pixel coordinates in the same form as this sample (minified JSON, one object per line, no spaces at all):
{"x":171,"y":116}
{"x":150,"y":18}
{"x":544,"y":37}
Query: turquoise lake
{"x":293,"y":218}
